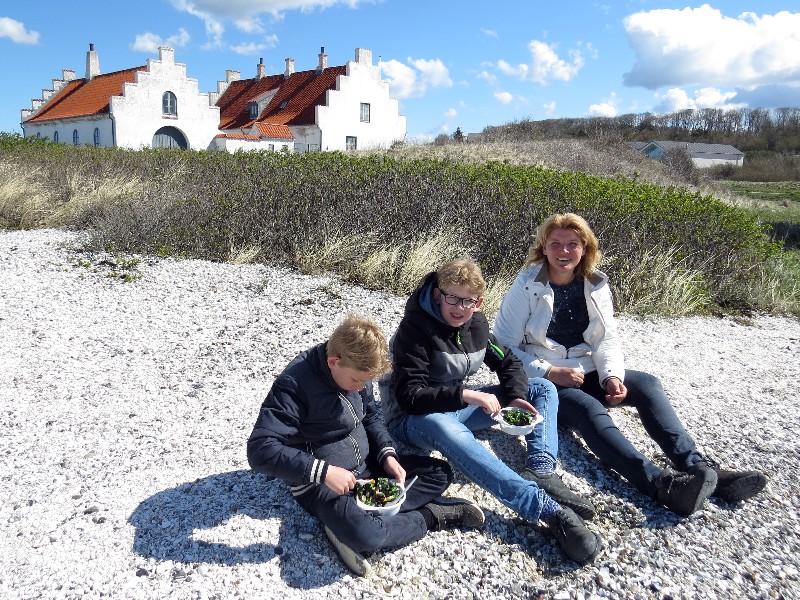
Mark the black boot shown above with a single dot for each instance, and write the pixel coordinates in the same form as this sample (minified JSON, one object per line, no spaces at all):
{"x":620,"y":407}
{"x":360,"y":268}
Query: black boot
{"x":732,"y":486}
{"x":555,"y":488}
{"x":684,"y":493}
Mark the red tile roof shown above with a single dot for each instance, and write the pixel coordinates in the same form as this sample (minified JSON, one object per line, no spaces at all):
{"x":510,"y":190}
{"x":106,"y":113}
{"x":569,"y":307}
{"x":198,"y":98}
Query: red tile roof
{"x":302,"y":91}
{"x":271,"y":130}
{"x":80,"y":98}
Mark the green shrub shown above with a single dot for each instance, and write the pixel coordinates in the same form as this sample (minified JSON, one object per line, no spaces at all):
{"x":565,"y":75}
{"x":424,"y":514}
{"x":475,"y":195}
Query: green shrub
{"x":297,"y":209}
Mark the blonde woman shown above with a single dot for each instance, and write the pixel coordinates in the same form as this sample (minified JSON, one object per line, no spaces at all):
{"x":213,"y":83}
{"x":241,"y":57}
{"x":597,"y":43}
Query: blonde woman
{"x":558,"y":319}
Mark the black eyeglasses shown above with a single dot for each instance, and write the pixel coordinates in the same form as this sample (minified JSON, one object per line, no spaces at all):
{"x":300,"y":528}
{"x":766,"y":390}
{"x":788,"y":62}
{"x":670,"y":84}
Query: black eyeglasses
{"x":454,"y":300}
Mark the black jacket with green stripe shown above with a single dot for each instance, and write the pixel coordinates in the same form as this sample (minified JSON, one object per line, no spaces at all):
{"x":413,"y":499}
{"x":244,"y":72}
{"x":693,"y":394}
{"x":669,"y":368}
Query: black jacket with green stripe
{"x":431,"y":360}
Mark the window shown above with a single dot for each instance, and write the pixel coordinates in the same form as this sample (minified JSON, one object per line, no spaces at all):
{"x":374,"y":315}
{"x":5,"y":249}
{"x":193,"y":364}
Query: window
{"x":283,"y":104}
{"x":285,"y":148}
{"x":96,"y":137}
{"x":298,"y":147}
{"x":169,"y":105}
{"x":364,"y":112}
{"x":253,"y":110}
{"x":313,"y":147}
{"x":55,"y":136}
{"x":75,"y":139}
{"x":271,"y":147}
{"x":351,"y":142}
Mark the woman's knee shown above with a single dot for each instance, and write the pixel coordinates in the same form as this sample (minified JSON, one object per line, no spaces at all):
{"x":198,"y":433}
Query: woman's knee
{"x":578,"y":408}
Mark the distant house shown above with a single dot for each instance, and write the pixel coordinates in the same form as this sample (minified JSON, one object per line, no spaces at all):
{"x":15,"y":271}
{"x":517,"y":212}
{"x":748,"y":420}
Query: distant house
{"x":328,"y":108}
{"x":702,"y":155}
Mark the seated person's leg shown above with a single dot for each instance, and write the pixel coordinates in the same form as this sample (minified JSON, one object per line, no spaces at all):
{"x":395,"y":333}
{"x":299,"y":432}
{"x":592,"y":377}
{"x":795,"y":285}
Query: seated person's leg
{"x":446,"y":434}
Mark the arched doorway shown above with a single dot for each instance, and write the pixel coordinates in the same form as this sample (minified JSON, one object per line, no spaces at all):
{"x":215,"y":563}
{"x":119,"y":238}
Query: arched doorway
{"x":169,"y":137}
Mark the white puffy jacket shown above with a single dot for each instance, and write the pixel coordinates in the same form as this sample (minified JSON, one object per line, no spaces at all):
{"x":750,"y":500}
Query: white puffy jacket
{"x":525,"y":314}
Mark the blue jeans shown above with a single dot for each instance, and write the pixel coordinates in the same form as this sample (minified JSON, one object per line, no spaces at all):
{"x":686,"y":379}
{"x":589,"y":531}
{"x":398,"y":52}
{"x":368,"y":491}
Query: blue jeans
{"x":451,"y":434}
{"x":585,"y":410}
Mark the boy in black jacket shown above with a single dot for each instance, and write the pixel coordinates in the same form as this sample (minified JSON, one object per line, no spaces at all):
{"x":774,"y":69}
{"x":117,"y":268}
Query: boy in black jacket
{"x":318,"y":429}
{"x":443,"y":339}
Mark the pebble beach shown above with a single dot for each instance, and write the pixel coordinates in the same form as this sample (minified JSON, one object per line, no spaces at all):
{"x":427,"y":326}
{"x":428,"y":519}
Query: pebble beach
{"x":129,"y":386}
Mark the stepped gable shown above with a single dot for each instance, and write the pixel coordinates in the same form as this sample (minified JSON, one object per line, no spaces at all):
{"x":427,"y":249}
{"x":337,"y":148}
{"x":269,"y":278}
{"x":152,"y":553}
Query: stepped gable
{"x":80,"y":98}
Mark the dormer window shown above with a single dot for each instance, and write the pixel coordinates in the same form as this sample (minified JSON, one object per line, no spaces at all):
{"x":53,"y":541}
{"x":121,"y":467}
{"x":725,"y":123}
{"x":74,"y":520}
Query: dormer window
{"x":252,"y":109}
{"x":283,"y":104}
{"x":169,"y":105}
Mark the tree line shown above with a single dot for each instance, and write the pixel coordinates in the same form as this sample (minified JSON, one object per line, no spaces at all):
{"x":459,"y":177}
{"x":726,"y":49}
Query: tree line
{"x":749,"y":129}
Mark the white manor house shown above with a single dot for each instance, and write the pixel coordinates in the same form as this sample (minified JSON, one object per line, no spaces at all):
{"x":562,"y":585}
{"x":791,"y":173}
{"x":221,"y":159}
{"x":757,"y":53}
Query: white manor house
{"x":344,"y":107}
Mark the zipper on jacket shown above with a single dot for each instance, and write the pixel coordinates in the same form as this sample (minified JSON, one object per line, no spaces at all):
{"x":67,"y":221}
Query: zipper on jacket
{"x":356,"y":423}
{"x":460,"y":346}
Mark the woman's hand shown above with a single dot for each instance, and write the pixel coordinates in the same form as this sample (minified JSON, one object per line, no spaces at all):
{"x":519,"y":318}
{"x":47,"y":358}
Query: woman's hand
{"x":394,"y":470}
{"x":339,"y":480}
{"x":615,"y":391}
{"x":566,"y":377}
{"x":488,"y":402}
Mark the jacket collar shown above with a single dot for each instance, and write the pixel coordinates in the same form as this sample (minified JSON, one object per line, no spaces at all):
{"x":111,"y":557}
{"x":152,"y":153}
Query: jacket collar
{"x":596,"y":278}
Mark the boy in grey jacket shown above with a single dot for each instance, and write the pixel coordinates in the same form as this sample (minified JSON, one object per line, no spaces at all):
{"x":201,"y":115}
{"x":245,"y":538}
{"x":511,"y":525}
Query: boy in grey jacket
{"x":319,"y":430}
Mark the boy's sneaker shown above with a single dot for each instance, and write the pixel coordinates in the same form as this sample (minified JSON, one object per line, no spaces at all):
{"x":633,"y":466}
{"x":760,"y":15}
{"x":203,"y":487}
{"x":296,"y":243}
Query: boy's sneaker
{"x":451,"y":513}
{"x":732,"y":486}
{"x":575,"y":539}
{"x":354,"y":561}
{"x":684,"y":493}
{"x":558,"y":491}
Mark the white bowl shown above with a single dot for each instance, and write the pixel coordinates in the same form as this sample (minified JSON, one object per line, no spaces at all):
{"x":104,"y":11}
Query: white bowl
{"x":507,"y":427}
{"x":388,"y":509}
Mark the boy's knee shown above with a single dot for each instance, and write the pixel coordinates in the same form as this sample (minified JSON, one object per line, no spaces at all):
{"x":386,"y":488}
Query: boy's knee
{"x":367,"y":537}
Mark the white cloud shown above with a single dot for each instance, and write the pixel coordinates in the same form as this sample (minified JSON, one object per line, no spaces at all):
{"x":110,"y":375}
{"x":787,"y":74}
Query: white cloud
{"x":16,"y":32}
{"x":549,"y":108}
{"x":244,"y":13}
{"x":545,"y":65}
{"x":451,"y":113}
{"x":487,"y":77}
{"x":489,"y":32}
{"x":248,"y":49}
{"x":504,"y":97}
{"x":676,"y":99}
{"x":150,"y":42}
{"x":701,"y":46}
{"x":412,"y":80}
{"x":605,"y":108}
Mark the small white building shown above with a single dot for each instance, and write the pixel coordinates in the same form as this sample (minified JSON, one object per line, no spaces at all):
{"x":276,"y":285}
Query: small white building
{"x":155,"y":105}
{"x":346,"y":107}
{"x":702,"y":155}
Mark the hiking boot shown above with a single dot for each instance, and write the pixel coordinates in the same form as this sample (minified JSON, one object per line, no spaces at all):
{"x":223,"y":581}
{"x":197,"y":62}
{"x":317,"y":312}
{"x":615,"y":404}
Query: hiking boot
{"x":575,"y":539}
{"x":684,"y":493}
{"x":555,"y":488}
{"x":455,"y":512}
{"x":353,"y":560}
{"x":732,"y":486}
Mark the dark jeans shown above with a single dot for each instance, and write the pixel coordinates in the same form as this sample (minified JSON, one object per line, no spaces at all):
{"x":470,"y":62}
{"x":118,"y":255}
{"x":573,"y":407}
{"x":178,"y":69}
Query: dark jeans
{"x":585,"y":410}
{"x":365,"y":531}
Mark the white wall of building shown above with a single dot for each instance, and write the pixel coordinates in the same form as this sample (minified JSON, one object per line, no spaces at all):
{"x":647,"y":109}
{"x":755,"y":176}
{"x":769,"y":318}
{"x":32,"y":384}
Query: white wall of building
{"x":342,"y":115}
{"x":65,"y":128}
{"x":138,"y":112}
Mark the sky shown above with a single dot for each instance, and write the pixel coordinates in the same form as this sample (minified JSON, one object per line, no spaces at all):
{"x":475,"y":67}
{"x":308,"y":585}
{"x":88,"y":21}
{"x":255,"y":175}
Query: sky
{"x":464,"y":64}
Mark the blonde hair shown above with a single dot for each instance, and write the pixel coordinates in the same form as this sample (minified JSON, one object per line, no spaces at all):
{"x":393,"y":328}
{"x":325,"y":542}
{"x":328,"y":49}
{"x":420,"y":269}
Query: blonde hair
{"x":573,"y":222}
{"x":462,"y":271}
{"x":360,"y":344}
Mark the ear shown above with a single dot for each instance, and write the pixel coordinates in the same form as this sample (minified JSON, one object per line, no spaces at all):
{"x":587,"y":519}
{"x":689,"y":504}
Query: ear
{"x":437,"y":295}
{"x":333,"y":361}
{"x":479,"y":303}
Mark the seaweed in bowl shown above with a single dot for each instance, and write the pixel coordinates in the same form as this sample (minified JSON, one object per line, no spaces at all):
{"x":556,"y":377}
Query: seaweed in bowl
{"x":517,"y":417}
{"x":377,"y":492}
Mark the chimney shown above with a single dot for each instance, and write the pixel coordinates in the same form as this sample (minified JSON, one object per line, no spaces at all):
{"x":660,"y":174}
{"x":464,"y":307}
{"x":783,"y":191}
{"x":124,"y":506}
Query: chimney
{"x":92,"y":63}
{"x":323,"y":60}
{"x":262,"y":70}
{"x":289,"y":68}
{"x":364,"y":56}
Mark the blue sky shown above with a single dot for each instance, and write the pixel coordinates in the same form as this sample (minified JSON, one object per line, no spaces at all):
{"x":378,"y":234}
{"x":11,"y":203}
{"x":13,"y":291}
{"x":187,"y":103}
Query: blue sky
{"x":467,"y":64}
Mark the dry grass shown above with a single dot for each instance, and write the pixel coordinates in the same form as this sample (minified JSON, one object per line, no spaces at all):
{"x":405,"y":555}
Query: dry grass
{"x":661,"y":284}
